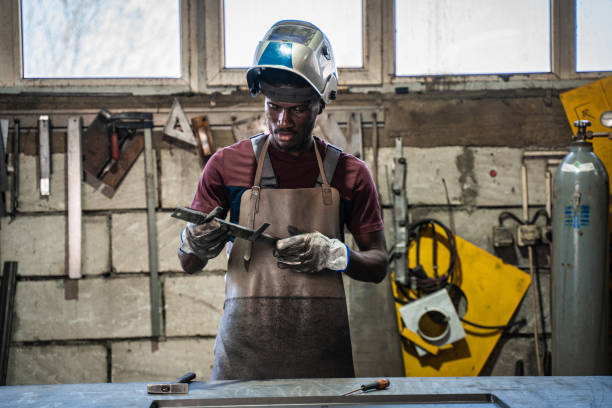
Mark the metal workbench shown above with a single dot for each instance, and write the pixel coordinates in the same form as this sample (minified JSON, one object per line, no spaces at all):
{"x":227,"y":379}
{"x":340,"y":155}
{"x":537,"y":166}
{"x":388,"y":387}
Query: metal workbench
{"x":409,"y":392}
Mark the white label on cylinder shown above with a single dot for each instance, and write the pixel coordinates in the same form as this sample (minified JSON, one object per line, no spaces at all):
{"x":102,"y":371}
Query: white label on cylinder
{"x":577,"y":167}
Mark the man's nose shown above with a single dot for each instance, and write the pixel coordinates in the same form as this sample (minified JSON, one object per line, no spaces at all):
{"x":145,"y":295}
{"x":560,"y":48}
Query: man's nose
{"x":284,"y":119}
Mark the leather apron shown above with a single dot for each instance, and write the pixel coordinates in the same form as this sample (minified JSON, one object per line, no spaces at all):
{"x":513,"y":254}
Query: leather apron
{"x":278,"y":323}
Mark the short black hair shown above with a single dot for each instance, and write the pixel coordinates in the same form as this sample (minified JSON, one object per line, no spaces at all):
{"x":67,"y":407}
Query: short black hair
{"x":279,"y":77}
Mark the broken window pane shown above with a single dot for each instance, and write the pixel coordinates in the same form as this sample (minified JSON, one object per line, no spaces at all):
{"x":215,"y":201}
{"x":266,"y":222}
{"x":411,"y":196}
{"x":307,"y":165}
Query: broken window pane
{"x":442,"y":37}
{"x":247,"y":21}
{"x":593,"y":35}
{"x":101,"y":39}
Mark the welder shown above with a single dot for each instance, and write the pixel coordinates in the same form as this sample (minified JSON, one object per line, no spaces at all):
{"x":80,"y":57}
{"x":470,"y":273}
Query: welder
{"x":285,"y":313}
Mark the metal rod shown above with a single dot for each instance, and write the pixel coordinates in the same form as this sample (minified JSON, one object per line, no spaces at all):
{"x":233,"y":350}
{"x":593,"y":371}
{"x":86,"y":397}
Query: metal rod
{"x":152,"y":229}
{"x":75,"y":221}
{"x":531,"y":270}
{"x":44,"y":151}
{"x":7,"y":301}
{"x":551,"y":153}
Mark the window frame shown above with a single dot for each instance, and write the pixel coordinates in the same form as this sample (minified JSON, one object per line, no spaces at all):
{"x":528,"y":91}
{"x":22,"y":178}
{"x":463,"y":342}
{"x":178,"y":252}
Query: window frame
{"x":11,"y":74}
{"x":202,"y":59}
{"x":218,"y":75}
{"x":563,"y":54}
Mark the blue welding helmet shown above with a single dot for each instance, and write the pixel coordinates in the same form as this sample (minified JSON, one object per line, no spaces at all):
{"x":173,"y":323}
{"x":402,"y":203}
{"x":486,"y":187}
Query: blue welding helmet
{"x":300,"y":48}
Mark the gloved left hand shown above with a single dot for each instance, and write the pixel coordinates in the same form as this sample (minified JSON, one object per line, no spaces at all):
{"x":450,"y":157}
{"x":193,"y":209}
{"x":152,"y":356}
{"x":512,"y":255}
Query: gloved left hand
{"x":311,"y":253}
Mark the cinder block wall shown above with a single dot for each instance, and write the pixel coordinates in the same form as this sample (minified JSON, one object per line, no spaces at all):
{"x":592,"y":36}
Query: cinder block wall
{"x":105,"y":335}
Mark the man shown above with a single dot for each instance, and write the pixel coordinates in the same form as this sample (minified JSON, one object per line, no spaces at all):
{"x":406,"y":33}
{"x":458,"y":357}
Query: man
{"x":285,"y":312}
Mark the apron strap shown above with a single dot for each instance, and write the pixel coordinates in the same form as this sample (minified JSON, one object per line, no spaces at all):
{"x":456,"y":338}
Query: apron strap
{"x":330,"y":161}
{"x":268,"y":178}
{"x":254,"y":202}
{"x":325,"y":189}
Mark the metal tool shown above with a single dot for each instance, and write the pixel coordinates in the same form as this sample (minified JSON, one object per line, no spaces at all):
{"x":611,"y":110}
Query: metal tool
{"x":182,"y":132}
{"x":44,"y":151}
{"x":379,"y":384}
{"x":7,"y":304}
{"x":4,"y":184}
{"x":15,"y":184}
{"x":75,"y":218}
{"x":237,"y":230}
{"x":180,"y":386}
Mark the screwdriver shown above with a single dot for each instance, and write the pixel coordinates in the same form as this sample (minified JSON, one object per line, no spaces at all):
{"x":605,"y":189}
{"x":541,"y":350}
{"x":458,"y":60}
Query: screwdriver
{"x":380,"y":384}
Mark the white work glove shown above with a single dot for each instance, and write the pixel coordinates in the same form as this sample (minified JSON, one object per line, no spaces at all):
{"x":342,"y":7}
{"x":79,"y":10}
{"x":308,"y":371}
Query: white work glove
{"x":206,"y":240}
{"x":311,"y":253}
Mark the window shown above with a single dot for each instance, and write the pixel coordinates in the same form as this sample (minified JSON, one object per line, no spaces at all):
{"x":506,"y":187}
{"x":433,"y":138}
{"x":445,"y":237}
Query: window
{"x":593,"y":35}
{"x":247,"y":21}
{"x":446,"y":37}
{"x":234,"y":27}
{"x":101,"y":39}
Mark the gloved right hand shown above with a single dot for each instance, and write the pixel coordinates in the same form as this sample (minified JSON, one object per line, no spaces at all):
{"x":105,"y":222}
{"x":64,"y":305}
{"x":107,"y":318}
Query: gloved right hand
{"x":205,"y":241}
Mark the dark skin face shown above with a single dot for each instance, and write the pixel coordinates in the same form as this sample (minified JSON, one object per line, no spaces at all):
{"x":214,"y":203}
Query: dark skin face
{"x":291,"y":124}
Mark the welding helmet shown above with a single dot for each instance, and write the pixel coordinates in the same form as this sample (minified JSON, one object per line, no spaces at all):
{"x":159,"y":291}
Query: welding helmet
{"x":300,"y":48}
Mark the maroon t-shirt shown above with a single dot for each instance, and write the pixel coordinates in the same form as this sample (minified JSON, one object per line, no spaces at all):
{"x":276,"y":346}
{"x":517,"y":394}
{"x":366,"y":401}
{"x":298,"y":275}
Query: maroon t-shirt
{"x":231,"y":171}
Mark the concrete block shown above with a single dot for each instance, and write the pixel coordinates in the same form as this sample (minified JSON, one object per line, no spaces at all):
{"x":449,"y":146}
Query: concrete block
{"x":57,"y":364}
{"x":498,"y":176}
{"x":140,"y":361}
{"x":29,"y":184}
{"x":38,"y":244}
{"x":426,"y":167}
{"x":106,"y":308}
{"x":130,"y":242}
{"x":194,"y":304}
{"x":179,"y":178}
{"x":168,"y":241}
{"x":130,"y":194}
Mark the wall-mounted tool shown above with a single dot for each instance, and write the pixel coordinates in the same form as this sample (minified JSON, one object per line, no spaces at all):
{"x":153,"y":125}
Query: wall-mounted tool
{"x":177,"y":126}
{"x":203,"y":135}
{"x":7,"y":302}
{"x":44,"y":154}
{"x":15,"y":183}
{"x":400,"y":219}
{"x":111,"y":145}
{"x":355,"y":136}
{"x":4,"y":183}
{"x":331,"y":130}
{"x":179,"y":386}
{"x":73,"y":170}
{"x":237,"y":230}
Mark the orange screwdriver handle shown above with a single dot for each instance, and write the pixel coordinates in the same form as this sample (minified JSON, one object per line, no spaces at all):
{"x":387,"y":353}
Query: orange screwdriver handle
{"x":380,"y":384}
{"x":114,"y":146}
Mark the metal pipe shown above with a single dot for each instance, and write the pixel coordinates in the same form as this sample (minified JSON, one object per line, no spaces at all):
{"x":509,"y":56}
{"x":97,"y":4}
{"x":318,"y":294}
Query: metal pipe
{"x":551,"y":153}
{"x":534,"y":299}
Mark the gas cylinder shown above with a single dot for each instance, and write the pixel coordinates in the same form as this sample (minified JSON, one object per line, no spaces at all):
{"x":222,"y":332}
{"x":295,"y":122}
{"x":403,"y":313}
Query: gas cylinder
{"x":579,"y":262}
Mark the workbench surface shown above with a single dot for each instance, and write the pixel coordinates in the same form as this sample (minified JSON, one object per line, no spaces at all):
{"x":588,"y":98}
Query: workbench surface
{"x":507,"y":392}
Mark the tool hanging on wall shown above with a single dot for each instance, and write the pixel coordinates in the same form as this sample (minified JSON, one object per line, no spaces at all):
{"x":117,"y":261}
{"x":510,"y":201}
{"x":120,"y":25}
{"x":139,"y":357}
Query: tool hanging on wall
{"x":156,"y":311}
{"x":15,"y":183}
{"x":205,"y":144}
{"x":44,"y":154}
{"x":73,"y":170}
{"x":330,"y":130}
{"x":398,"y":189}
{"x":111,"y":145}
{"x":7,"y":302}
{"x":177,"y":126}
{"x":355,"y":136}
{"x":4,"y":183}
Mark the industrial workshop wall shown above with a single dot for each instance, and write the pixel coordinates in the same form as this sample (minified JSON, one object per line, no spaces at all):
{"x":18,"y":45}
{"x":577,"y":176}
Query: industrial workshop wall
{"x":464,"y":155}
